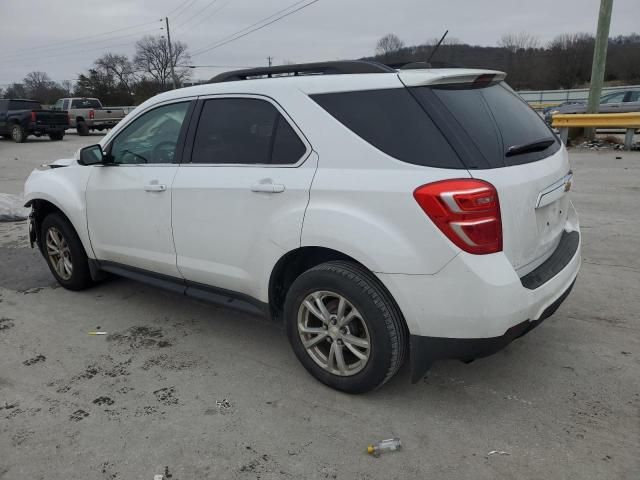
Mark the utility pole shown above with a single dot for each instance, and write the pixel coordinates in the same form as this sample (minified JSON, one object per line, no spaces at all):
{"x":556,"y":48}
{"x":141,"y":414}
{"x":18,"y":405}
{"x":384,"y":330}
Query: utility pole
{"x":173,"y":73}
{"x":270,"y":60}
{"x":599,"y":61}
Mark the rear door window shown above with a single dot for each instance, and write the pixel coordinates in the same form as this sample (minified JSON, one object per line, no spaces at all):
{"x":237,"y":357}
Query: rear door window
{"x":392,"y":121}
{"x":245,"y":131}
{"x":494,"y":118}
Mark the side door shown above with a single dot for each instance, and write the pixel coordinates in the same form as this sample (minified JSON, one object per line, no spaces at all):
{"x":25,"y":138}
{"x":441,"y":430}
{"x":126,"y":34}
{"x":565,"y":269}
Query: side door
{"x":129,"y":199}
{"x":240,"y":196}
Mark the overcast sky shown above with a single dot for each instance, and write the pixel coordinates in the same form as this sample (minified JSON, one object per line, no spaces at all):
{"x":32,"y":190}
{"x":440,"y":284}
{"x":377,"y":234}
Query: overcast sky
{"x":63,"y":37}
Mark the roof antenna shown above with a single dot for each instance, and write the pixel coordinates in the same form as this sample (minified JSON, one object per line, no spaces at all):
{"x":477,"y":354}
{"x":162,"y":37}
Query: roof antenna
{"x":435,"y":49}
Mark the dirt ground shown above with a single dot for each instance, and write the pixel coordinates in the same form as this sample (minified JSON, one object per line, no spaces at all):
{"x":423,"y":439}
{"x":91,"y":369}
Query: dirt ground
{"x":194,"y":391}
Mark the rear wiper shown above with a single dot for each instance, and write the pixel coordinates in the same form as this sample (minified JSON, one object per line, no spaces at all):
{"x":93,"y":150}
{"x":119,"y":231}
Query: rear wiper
{"x":536,"y":146}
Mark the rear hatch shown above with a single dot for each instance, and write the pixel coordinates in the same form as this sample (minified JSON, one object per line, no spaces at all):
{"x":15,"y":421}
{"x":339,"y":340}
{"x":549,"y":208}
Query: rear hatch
{"x":501,"y":140}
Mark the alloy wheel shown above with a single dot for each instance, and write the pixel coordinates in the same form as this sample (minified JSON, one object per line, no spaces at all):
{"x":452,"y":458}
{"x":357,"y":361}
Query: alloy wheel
{"x":334,"y":333}
{"x":59,"y":253}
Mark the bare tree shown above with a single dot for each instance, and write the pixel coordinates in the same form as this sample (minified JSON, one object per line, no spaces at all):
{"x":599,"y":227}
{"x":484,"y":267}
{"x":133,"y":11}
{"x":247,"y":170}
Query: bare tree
{"x":447,"y":41}
{"x":389,"y":44}
{"x":518,"y":41}
{"x":570,"y":56}
{"x":38,"y":86}
{"x":15,"y":90}
{"x":67,"y":86}
{"x":152,"y":58}
{"x":121,"y":68}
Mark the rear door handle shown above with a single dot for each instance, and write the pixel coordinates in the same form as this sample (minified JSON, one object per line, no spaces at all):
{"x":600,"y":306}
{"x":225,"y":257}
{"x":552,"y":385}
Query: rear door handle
{"x":267,"y":187}
{"x":155,"y":187}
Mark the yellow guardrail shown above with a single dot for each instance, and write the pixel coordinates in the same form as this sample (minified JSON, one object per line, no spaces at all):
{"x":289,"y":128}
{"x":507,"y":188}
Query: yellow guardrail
{"x":602,"y":120}
{"x":629,"y":121}
{"x":542,"y":105}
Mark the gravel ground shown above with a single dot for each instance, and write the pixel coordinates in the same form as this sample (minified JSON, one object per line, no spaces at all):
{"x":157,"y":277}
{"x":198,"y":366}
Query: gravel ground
{"x":193,"y":391}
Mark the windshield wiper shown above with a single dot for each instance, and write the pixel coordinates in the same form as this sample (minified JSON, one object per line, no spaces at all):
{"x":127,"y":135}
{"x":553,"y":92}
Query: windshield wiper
{"x":536,"y":146}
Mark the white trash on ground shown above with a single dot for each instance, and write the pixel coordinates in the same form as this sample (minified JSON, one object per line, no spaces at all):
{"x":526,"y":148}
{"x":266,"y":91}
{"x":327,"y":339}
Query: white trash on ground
{"x":12,"y":208}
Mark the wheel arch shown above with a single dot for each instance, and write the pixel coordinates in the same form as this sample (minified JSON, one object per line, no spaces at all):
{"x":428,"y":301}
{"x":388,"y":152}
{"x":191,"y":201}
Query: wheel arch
{"x":40,"y":209}
{"x":42,"y":206}
{"x":295,"y":262}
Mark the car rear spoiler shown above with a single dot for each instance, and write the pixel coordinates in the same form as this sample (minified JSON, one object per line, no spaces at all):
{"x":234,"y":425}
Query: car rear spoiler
{"x":419,"y":78}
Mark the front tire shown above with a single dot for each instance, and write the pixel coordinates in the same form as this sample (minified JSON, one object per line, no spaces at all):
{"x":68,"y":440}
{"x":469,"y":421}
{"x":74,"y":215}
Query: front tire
{"x":344,"y":327}
{"x":18,"y":133}
{"x":64,"y":253}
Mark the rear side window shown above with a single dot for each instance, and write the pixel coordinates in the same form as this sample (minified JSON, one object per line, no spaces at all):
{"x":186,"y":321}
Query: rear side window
{"x":392,"y":121}
{"x":245,"y":131}
{"x":23,"y":105}
{"x":495,"y":119}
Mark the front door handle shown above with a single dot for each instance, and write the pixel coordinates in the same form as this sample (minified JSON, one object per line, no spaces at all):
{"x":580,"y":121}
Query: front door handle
{"x":155,"y":187}
{"x":267,"y":187}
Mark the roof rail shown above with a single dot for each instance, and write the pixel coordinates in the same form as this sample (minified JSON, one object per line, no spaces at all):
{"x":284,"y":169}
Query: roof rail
{"x":320,"y":68}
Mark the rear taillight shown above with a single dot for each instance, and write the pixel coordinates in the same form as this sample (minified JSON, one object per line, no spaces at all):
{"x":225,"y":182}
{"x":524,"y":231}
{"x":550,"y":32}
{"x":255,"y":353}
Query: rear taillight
{"x":466,"y":210}
{"x":33,"y":117}
{"x":91,"y":114}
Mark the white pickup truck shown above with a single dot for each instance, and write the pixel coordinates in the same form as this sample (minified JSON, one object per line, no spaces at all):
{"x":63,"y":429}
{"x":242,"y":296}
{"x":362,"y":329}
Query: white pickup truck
{"x":87,"y":114}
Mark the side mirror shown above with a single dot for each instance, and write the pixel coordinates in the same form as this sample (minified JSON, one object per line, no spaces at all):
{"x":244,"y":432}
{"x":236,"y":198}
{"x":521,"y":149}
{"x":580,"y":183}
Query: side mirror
{"x":91,"y":155}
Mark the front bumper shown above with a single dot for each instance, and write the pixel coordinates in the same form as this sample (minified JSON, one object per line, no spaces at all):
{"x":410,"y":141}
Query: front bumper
{"x":426,"y":350}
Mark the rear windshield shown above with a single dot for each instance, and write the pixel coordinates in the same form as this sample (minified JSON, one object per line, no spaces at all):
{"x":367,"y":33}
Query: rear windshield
{"x":85,"y":103}
{"x":392,"y":121}
{"x":494,"y":119}
{"x":446,"y":126}
{"x":23,"y":105}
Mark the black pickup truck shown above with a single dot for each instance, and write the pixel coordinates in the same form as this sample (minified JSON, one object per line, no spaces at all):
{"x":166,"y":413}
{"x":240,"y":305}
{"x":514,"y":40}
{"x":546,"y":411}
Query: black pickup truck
{"x":21,"y":118}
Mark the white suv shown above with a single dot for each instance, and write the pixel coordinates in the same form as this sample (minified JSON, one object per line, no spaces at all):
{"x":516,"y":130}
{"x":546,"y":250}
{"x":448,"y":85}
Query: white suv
{"x":381,"y":214}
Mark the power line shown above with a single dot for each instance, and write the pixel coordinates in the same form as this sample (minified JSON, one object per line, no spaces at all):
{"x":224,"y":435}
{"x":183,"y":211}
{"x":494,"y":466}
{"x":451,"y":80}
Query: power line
{"x":258,"y":22}
{"x":177,"y":8}
{"x":49,"y":45}
{"x":189,"y":5}
{"x":53,"y":58}
{"x":237,"y":35}
{"x":214,"y":11}
{"x":180,"y":25}
{"x":43,"y":53}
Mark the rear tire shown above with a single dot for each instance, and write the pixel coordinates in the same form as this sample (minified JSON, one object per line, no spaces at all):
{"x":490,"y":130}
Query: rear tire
{"x":18,"y":133}
{"x":82,"y":128}
{"x":372,"y":344}
{"x":64,"y":253}
{"x":56,"y":136}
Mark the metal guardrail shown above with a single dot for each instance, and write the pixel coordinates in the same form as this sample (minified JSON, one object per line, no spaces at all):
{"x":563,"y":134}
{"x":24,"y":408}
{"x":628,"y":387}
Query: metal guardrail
{"x":628,"y":121}
{"x":542,"y":105}
{"x":558,"y":96}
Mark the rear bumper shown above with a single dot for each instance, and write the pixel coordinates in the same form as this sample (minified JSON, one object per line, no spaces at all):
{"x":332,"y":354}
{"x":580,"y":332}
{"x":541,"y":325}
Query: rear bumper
{"x":40,"y":129}
{"x":426,"y":350}
{"x":477,"y":304}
